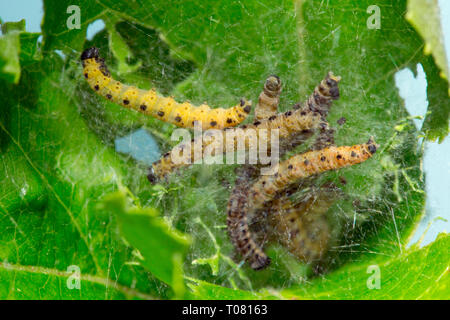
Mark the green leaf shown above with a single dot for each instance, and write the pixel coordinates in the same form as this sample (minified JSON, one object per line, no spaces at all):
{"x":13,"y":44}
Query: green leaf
{"x":120,"y":49}
{"x":436,"y":124}
{"x":9,"y":55}
{"x":15,"y":45}
{"x":428,"y":279}
{"x":160,"y":252}
{"x":29,"y":48}
{"x":9,"y":27}
{"x":56,"y":32}
{"x":207,"y":291}
{"x":425,"y":17}
{"x":419,"y":273}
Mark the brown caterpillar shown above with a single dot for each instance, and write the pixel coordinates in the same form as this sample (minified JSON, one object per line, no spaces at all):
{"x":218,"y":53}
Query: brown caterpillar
{"x":237,"y":223}
{"x":289,"y":124}
{"x":269,"y":98}
{"x":150,"y":103}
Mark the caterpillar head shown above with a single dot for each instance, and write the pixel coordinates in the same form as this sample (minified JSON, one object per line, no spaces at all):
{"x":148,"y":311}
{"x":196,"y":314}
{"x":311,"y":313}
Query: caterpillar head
{"x":260,"y":262}
{"x":151,"y":176}
{"x":91,"y":53}
{"x":371,"y":145}
{"x":273,"y":83}
{"x":332,"y":83}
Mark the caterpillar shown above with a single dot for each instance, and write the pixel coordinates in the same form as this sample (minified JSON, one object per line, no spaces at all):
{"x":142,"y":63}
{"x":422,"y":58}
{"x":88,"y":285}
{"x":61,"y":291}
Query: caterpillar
{"x":289,"y":124}
{"x":308,"y":164}
{"x":269,"y":98}
{"x":237,"y":224}
{"x":150,"y":103}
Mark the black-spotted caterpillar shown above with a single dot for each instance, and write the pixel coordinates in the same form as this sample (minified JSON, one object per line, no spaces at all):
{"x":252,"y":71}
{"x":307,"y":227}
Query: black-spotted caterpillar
{"x":308,"y":164}
{"x":151,"y":103}
{"x":237,"y":221}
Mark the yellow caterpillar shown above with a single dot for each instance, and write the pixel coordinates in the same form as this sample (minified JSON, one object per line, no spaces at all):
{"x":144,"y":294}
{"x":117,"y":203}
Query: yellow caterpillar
{"x":150,"y":103}
{"x":306,"y":165}
{"x":291,"y":123}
